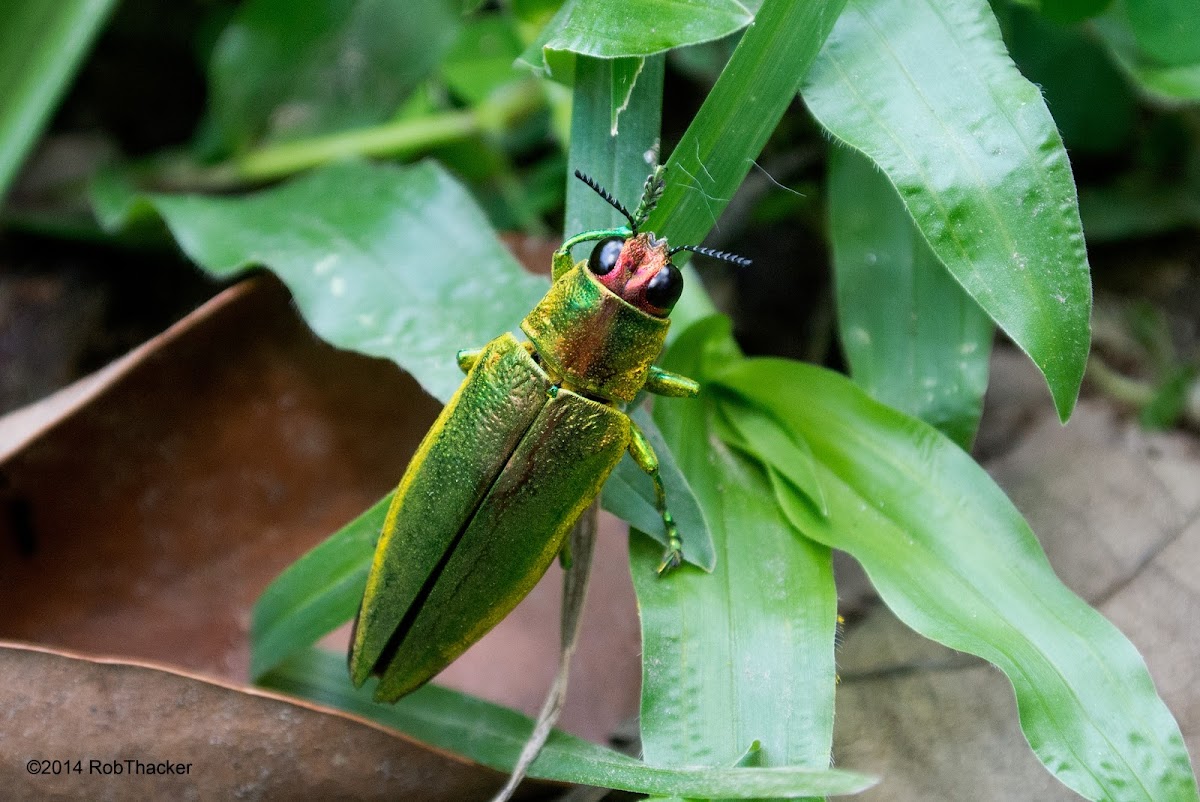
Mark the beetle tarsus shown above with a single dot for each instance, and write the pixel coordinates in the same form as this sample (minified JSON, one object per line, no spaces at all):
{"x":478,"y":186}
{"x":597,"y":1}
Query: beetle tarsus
{"x":672,"y":558}
{"x":467,"y":358}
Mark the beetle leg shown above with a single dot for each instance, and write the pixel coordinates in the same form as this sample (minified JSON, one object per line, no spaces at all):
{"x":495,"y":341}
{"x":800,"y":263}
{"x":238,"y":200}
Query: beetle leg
{"x":467,"y":358}
{"x":560,"y":263}
{"x":662,"y":382}
{"x":643,"y":454}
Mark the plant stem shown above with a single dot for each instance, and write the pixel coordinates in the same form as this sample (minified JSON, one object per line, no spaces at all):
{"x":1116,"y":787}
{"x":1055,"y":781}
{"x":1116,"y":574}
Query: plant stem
{"x":1117,"y":386}
{"x":395,"y":139}
{"x":400,"y":138}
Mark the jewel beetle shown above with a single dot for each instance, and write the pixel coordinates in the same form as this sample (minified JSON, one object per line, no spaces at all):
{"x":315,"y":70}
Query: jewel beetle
{"x":520,"y":451}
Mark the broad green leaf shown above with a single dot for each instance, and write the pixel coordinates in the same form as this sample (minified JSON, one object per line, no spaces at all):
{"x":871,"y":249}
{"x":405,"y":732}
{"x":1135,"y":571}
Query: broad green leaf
{"x":493,"y":735}
{"x":1169,"y":84}
{"x":316,"y":594}
{"x":954,"y":559}
{"x":925,"y":90}
{"x":634,"y":27}
{"x":914,"y":339}
{"x":744,"y":654}
{"x":279,"y":72}
{"x":735,"y":121}
{"x":396,"y":262}
{"x":41,"y":45}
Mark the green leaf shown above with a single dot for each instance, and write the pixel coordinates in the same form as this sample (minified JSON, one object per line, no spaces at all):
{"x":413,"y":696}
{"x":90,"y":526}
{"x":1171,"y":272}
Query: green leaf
{"x":1168,"y":84}
{"x":744,"y":654}
{"x":625,"y":75}
{"x":396,"y":262}
{"x":956,"y":562}
{"x":914,"y":339}
{"x":634,"y":27}
{"x":761,"y":438}
{"x":41,"y":46}
{"x":279,"y":73}
{"x":493,"y":735}
{"x":316,"y":594}
{"x":925,"y":90}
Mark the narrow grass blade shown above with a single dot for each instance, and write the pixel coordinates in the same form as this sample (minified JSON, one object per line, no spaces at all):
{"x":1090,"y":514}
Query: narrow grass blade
{"x":493,"y":735}
{"x":316,"y":594}
{"x":740,"y":113}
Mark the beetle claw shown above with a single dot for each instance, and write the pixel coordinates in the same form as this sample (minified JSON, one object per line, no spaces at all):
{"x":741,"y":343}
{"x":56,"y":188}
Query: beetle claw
{"x":670,"y":561}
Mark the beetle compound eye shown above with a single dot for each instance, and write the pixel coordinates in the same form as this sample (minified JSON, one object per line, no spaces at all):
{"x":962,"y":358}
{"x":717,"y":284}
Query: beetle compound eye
{"x":666,"y":287}
{"x":604,"y":255}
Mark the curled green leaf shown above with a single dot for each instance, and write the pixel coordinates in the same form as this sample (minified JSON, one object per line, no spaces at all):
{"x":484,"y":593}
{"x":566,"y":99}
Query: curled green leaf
{"x":953,"y":558}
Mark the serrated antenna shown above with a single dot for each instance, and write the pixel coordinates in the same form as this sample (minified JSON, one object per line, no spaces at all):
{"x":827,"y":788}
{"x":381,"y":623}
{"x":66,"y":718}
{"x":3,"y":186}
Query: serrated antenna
{"x":613,"y":202}
{"x":741,"y":261}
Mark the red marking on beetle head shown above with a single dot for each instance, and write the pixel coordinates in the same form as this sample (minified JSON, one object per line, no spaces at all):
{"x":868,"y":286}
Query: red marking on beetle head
{"x":642,"y":256}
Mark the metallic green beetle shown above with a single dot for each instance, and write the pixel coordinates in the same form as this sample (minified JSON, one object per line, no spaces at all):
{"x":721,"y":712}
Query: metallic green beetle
{"x":520,"y":451}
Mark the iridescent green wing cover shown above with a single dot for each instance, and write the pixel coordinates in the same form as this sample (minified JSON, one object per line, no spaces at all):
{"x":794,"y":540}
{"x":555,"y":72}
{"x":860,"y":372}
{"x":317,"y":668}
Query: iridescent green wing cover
{"x":541,"y":456}
{"x":447,"y":478}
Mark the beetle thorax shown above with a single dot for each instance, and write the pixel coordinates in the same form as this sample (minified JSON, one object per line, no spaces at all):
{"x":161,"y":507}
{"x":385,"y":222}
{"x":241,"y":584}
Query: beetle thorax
{"x":592,"y":340}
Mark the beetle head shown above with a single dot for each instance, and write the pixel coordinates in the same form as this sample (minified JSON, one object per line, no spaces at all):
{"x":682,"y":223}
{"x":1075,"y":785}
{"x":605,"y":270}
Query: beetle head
{"x":637,"y":266}
{"x":639,"y":271}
